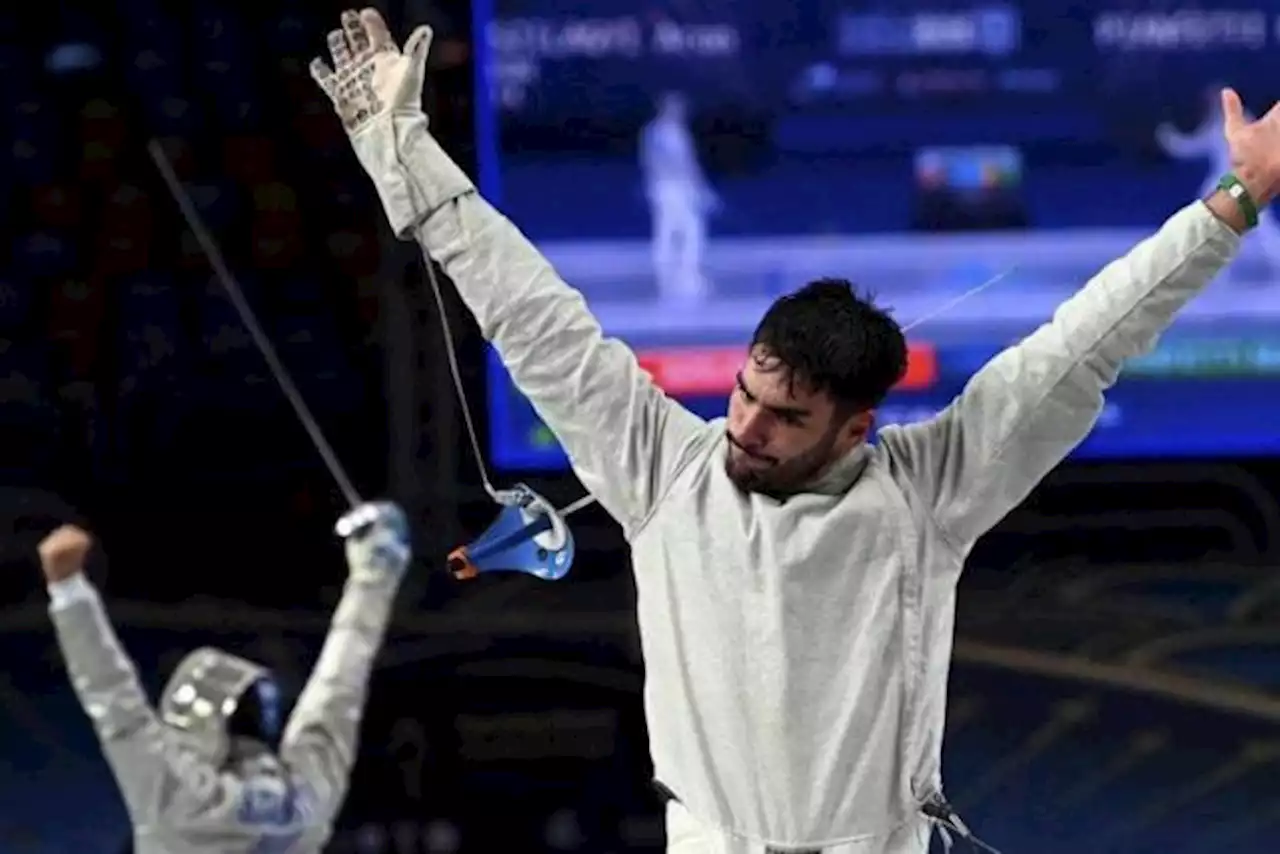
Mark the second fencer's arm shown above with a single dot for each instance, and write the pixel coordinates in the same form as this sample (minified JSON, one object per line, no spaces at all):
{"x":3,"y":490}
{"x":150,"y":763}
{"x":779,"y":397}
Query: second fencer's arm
{"x":134,"y":741}
{"x":321,"y":738}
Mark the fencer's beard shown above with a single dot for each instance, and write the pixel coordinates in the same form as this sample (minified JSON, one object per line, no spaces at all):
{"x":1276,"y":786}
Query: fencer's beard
{"x":772,"y":476}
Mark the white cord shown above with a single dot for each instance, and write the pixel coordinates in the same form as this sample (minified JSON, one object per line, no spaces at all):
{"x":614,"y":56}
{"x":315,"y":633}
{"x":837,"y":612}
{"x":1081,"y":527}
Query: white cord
{"x":458,"y":388}
{"x":947,"y":306}
{"x":473,"y":436}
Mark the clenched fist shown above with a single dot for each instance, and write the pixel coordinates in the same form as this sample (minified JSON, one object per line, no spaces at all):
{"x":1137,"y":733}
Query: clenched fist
{"x":62,"y":553}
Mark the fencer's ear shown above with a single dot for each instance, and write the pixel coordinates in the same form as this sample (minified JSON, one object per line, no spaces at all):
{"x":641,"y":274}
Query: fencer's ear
{"x":857,"y":427}
{"x":869,"y":423}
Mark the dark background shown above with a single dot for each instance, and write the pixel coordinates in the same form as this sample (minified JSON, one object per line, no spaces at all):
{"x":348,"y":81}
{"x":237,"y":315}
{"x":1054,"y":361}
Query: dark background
{"x":1117,"y":683}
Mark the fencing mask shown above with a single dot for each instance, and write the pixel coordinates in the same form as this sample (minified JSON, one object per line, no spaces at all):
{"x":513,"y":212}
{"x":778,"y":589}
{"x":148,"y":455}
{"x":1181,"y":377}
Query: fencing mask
{"x":214,"y":695}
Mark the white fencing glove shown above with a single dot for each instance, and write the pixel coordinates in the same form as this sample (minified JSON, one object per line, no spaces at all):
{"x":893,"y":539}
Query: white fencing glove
{"x":371,"y":77}
{"x":376,"y":90}
{"x":377,"y":540}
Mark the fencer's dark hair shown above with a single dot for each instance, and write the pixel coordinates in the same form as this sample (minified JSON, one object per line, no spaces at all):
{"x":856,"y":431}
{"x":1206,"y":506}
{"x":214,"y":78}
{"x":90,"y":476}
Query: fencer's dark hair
{"x":834,"y":340}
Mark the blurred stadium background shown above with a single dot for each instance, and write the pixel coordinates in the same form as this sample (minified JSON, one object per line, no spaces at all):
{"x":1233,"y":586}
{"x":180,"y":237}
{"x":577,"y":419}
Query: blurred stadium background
{"x":1117,"y":675}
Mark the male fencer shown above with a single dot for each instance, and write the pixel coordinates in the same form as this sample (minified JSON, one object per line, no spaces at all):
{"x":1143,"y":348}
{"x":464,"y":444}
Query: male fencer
{"x":796,"y":582}
{"x":1208,"y":142}
{"x":217,"y":768}
{"x":680,"y":200}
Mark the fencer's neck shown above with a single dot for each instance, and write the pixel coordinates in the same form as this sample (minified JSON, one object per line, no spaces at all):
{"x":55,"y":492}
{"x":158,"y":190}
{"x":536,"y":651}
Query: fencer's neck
{"x":841,"y":473}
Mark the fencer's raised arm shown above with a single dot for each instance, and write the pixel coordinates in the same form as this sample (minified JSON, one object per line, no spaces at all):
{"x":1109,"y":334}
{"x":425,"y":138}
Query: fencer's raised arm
{"x":1028,"y":408}
{"x":624,"y":436}
{"x":321,"y":738}
{"x":150,"y":768}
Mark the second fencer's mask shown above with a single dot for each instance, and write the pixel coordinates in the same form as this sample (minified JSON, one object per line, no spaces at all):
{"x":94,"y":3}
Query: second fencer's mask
{"x":214,"y":695}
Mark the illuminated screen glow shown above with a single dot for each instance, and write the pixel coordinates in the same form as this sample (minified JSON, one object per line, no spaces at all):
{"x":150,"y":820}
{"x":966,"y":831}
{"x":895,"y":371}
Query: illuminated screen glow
{"x":682,"y":172}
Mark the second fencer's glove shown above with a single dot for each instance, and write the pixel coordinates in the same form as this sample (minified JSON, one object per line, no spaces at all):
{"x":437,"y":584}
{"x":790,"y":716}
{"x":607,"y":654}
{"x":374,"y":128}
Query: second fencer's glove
{"x":377,"y":540}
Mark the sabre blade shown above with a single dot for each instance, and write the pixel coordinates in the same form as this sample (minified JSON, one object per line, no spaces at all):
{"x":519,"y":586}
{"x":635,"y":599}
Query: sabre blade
{"x":950,"y":304}
{"x":229,"y":284}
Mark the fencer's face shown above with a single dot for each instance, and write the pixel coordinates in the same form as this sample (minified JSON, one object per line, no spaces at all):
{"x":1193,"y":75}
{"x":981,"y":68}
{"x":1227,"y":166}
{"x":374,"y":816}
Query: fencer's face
{"x":781,"y":433}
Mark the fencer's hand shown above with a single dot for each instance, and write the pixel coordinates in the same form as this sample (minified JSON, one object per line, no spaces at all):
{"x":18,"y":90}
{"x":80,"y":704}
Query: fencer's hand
{"x":63,"y":552}
{"x":371,"y":77}
{"x":1254,"y":147}
{"x":377,"y":539}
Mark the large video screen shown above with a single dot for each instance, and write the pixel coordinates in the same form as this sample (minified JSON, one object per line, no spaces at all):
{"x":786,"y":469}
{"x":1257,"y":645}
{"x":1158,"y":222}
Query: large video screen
{"x":684,"y":164}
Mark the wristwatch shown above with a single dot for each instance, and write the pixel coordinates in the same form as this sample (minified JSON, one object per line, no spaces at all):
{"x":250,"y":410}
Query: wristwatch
{"x":1234,"y":187}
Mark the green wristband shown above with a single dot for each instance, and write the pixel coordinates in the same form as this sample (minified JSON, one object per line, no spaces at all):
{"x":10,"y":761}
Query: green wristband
{"x":1234,"y":187}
